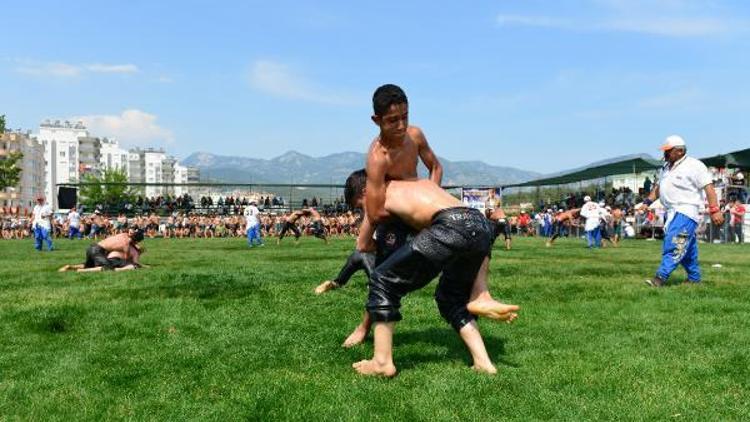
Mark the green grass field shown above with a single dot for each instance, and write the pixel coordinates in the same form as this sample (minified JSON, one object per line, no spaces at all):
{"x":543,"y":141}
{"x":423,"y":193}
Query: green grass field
{"x":216,"y":331}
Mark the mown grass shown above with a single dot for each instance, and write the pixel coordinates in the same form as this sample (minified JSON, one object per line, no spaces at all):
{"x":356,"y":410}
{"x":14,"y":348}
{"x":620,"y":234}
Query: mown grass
{"x":216,"y":331}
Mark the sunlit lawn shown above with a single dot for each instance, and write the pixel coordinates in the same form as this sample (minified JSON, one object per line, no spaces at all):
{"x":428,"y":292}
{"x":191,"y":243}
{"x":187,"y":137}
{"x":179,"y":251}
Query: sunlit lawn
{"x":217,"y":331}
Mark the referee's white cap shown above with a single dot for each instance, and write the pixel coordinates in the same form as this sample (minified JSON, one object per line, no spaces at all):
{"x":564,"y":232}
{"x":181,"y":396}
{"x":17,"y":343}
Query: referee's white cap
{"x":672,"y":142}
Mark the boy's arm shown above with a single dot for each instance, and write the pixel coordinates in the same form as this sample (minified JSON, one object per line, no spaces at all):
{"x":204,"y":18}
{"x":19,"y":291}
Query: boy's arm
{"x":135,"y":257}
{"x":428,"y":157}
{"x":375,"y":189}
{"x":498,"y":214}
{"x":364,"y":238}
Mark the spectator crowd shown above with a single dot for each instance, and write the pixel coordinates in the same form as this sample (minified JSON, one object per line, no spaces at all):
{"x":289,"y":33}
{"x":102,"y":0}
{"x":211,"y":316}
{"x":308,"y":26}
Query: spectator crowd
{"x":183,"y":217}
{"x":98,"y":225}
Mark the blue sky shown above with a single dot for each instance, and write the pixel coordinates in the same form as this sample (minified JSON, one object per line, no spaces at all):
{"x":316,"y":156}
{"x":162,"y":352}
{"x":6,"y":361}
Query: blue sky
{"x":538,"y":85}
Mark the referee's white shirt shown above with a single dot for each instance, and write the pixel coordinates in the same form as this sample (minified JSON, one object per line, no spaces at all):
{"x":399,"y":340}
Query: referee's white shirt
{"x":41,"y":216}
{"x":681,"y":187}
{"x":590,"y":211}
{"x":251,"y":216}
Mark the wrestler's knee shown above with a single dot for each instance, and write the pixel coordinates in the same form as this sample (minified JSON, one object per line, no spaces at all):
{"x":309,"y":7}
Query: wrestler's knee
{"x":454,"y":311}
{"x":383,"y":303}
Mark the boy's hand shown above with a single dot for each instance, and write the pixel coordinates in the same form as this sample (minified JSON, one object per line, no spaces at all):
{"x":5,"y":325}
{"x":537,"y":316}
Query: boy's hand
{"x":366,"y":245}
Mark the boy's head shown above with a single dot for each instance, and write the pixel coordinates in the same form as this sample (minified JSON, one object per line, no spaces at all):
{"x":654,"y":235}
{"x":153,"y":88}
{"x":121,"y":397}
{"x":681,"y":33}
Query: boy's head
{"x":390,"y":110}
{"x":386,"y":96}
{"x":354,"y":188}
{"x":136,"y":235}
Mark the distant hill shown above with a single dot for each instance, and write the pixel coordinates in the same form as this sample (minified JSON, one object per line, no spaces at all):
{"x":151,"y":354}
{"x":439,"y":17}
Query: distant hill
{"x":294,"y":167}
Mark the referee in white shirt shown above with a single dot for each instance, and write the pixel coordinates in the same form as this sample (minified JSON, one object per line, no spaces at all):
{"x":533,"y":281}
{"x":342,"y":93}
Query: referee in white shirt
{"x":252,"y":224}
{"x":42,"y":224}
{"x":681,"y":184}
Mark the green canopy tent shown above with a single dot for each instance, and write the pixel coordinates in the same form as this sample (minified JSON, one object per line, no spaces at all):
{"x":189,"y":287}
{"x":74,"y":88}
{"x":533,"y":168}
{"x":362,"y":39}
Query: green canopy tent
{"x":627,"y":166}
{"x":740,"y":159}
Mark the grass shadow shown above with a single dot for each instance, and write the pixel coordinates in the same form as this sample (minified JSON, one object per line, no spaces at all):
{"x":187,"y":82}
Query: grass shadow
{"x":446,"y":344}
{"x":55,"y":320}
{"x":195,"y":286}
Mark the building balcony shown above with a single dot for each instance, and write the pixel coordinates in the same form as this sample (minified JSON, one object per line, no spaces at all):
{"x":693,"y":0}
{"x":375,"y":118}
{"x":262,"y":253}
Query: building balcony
{"x":9,"y":195}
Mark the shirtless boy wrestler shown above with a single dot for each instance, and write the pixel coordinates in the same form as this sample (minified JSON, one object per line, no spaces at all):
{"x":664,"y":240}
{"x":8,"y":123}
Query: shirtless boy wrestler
{"x":395,"y":150}
{"x":291,"y":224}
{"x":119,"y":252}
{"x":391,"y":156}
{"x":452,"y":240}
{"x":562,"y":219}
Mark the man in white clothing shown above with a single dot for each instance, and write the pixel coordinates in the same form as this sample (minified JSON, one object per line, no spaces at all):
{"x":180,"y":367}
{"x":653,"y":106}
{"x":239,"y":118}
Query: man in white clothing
{"x":591,"y":212}
{"x":74,"y":224}
{"x":252,"y":224}
{"x":42,"y":224}
{"x":681,"y":186}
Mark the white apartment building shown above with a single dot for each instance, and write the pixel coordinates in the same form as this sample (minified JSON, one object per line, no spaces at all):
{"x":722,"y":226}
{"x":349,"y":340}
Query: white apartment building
{"x":112,"y":156}
{"x":154,"y":160}
{"x":61,"y":153}
{"x":147,"y":166}
{"x":70,"y":152}
{"x":180,"y":176}
{"x":31,"y":183}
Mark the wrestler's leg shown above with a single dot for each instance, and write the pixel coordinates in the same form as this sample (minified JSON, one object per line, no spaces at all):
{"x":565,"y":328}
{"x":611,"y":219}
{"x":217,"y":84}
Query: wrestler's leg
{"x":359,"y":334}
{"x":90,"y":270}
{"x":481,"y":302}
{"x":473,"y":339}
{"x":382,"y":360}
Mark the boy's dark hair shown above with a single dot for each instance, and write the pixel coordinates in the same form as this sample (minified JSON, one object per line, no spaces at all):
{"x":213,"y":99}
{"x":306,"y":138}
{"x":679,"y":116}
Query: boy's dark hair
{"x":385,"y":96}
{"x":138,"y":235}
{"x":353,"y":187}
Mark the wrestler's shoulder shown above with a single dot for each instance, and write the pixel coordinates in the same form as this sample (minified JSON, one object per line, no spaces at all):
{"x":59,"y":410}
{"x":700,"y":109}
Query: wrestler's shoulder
{"x":414,"y":130}
{"x":415,"y":133}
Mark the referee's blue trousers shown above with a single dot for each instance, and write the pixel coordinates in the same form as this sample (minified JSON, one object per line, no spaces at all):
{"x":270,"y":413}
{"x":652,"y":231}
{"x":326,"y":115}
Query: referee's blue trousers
{"x":680,"y":247}
{"x":594,"y":238}
{"x":253,"y":234}
{"x":42,"y":235}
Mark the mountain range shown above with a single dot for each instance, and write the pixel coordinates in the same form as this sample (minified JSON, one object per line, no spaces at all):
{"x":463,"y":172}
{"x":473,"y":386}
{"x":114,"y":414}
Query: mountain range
{"x":297,"y":168}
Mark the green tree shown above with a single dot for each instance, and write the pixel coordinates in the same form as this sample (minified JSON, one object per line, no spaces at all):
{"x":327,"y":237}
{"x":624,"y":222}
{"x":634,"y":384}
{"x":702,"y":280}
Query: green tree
{"x":110,"y":189}
{"x":10,"y":171}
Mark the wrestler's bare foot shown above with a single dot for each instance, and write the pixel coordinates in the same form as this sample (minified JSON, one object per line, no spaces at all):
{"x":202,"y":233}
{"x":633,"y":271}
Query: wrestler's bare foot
{"x":326,"y":286}
{"x":487,"y":368}
{"x":490,"y":308}
{"x":64,"y":268}
{"x":371,"y":367}
{"x":357,"y":337}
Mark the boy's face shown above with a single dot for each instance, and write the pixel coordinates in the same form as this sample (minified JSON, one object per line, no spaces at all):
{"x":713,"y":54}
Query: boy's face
{"x":393,"y":123}
{"x":359,"y":200}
